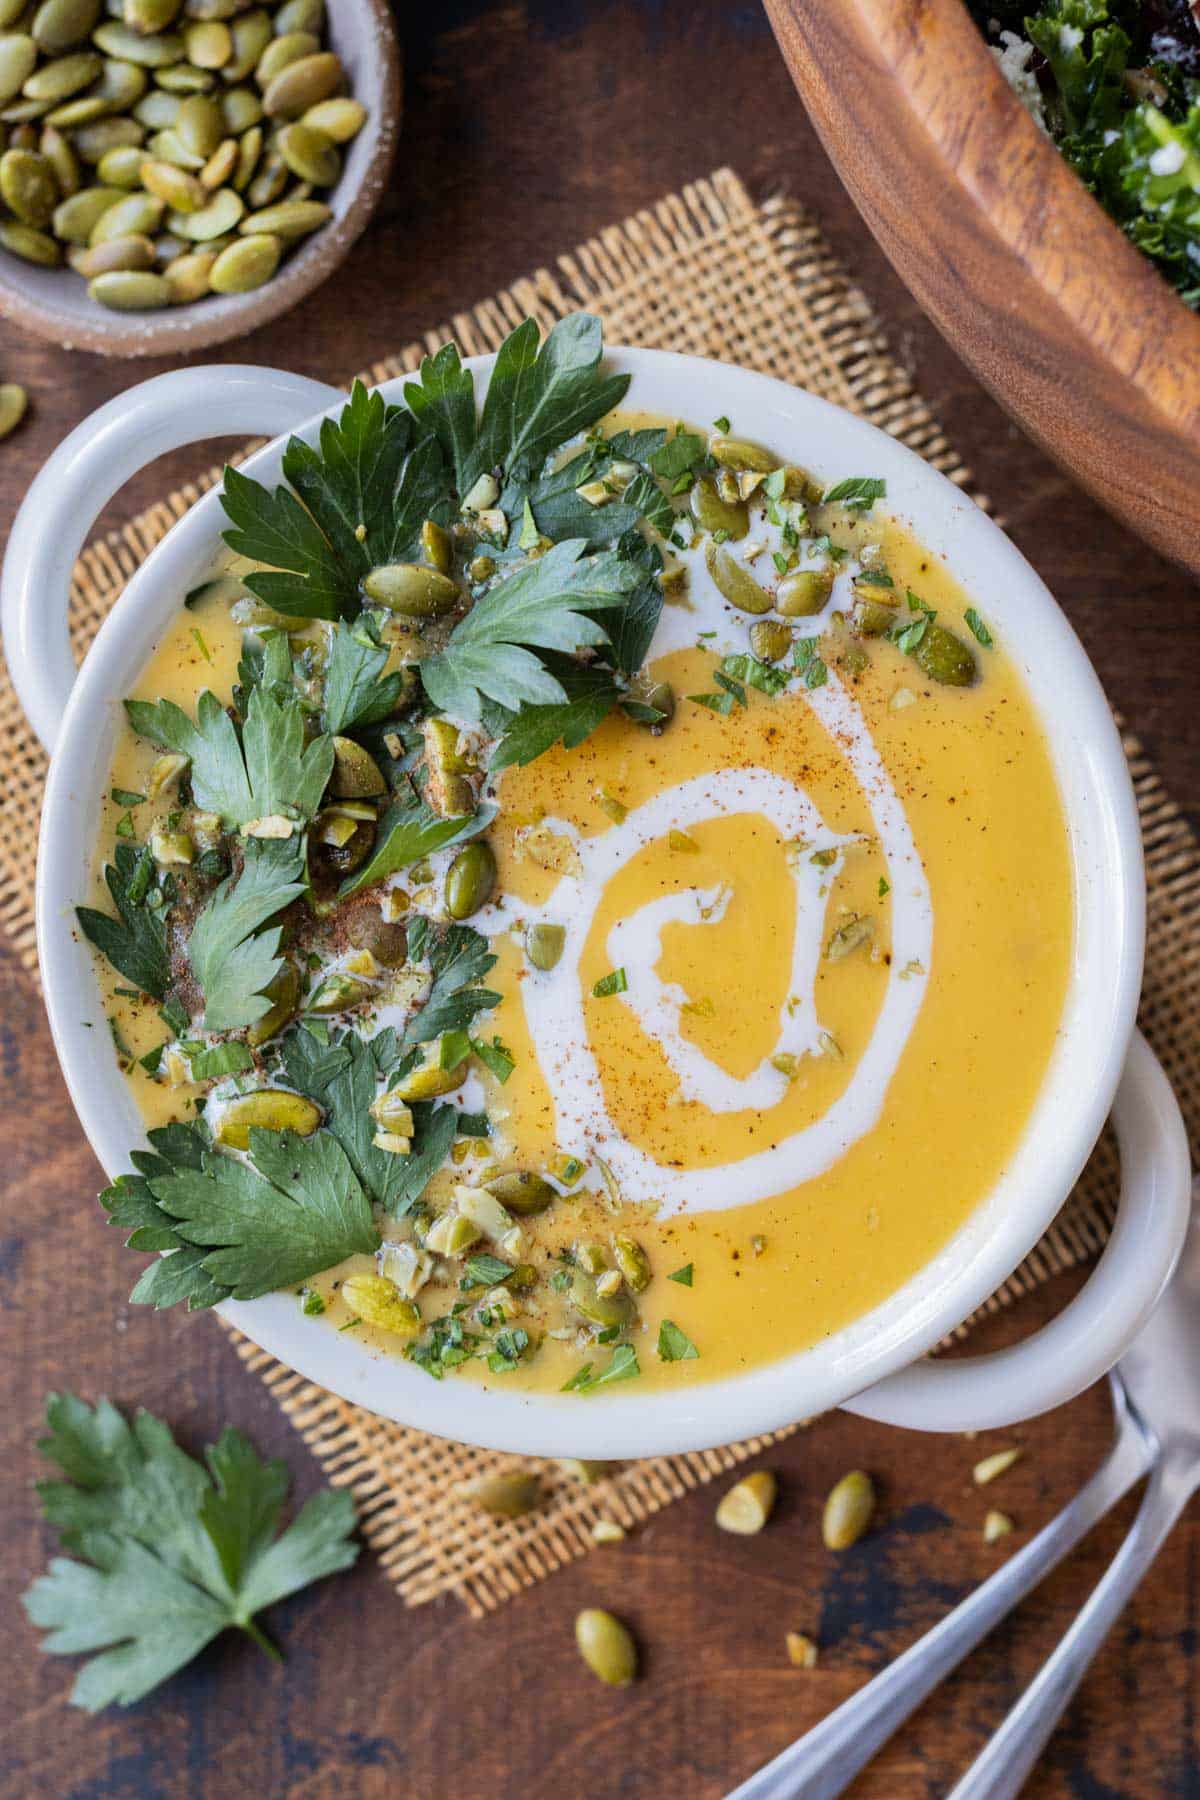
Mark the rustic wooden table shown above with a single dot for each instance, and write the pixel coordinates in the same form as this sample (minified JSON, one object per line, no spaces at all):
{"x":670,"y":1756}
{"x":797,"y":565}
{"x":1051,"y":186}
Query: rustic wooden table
{"x":529,"y":126}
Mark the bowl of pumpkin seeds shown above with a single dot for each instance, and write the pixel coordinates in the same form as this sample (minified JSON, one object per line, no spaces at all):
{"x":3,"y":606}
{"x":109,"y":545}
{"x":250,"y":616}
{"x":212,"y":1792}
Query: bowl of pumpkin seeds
{"x":176,"y":172}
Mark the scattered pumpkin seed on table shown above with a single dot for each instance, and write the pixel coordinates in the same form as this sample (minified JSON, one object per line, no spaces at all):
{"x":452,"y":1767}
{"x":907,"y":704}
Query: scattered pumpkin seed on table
{"x":207,"y":119}
{"x":606,"y":1646}
{"x":13,"y":402}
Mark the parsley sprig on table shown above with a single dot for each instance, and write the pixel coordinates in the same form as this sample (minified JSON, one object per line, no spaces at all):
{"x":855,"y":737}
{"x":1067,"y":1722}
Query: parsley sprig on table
{"x":167,"y":1552}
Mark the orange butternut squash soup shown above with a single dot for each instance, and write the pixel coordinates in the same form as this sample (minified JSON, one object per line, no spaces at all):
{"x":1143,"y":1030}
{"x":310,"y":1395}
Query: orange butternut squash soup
{"x":580,"y":902}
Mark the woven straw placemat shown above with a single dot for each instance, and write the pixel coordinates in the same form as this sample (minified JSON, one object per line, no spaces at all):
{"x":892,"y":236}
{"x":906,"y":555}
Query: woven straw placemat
{"x":705,"y":271}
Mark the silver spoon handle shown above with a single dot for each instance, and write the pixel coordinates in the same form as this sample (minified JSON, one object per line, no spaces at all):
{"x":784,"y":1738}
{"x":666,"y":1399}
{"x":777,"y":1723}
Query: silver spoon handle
{"x":825,"y":1760}
{"x":1001,"y":1769}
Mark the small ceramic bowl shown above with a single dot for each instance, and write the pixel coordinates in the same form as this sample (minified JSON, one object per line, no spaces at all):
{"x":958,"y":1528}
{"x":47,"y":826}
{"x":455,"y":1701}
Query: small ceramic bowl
{"x":54,"y":303}
{"x":1099,"y":1059}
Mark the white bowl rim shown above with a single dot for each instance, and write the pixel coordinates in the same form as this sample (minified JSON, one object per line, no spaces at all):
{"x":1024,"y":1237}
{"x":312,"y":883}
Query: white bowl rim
{"x":1075,"y":1097}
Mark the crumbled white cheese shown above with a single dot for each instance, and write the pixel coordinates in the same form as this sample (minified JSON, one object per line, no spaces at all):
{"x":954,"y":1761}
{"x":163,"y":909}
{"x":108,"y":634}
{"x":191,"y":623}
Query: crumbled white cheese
{"x":1168,"y":159}
{"x":1013,"y":54}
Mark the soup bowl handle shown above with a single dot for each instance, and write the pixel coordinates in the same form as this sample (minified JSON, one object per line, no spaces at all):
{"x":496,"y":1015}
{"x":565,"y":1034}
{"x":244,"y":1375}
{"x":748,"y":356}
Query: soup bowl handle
{"x":1079,"y":1346}
{"x":83,"y":474}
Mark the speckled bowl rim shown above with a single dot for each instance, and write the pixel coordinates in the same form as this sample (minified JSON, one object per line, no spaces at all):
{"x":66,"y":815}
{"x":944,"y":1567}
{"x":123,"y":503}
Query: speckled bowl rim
{"x":180,"y":330}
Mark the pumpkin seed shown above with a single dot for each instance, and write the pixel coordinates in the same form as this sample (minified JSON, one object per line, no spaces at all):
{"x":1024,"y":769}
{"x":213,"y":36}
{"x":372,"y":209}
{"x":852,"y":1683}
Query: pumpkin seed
{"x":606,"y":1646}
{"x":199,"y":125}
{"x":999,"y":1463}
{"x":872,"y":618}
{"x":586,"y":1472}
{"x":121,"y":167}
{"x":249,"y":151}
{"x":428,"y":1080}
{"x":20,"y":114}
{"x":712,"y":513}
{"x":996,"y":1526}
{"x":221,"y":165}
{"x":59,"y":79}
{"x":740,"y":453}
{"x":251,"y":34}
{"x":300,"y":15}
{"x":166,"y":146}
{"x":10,"y":13}
{"x":848,"y":1510}
{"x":377,"y":1301}
{"x":185,"y":78}
{"x":157,"y":109}
{"x":148,"y":16}
{"x":309,"y":154}
{"x":386,"y":939}
{"x":28,"y":187}
{"x":131,"y":252}
{"x":302,"y":84}
{"x":269,"y":181}
{"x":521,"y":1192}
{"x":241,"y":108}
{"x":187,"y":276}
{"x":748,"y":1504}
{"x":408,"y":588}
{"x":13,"y":402}
{"x":74,"y":217}
{"x":283,"y":50}
{"x":734,"y":581}
{"x":290,"y":219}
{"x":356,"y":774}
{"x":96,"y":137}
{"x":220,"y":215}
{"x":149,"y":50}
{"x":62,"y":159}
{"x":132,"y":213}
{"x":945,"y":658}
{"x":29,"y":244}
{"x":509,"y":1494}
{"x":338,"y":993}
{"x":470,"y":880}
{"x":129,"y":290}
{"x":632,"y":1261}
{"x":340,"y":118}
{"x":121,"y":86}
{"x":175,"y":187}
{"x":604,"y":1310}
{"x":544,"y":945}
{"x":801,"y":1650}
{"x":208,"y":43}
{"x":436,"y":546}
{"x":806,"y":592}
{"x":769,"y":640}
{"x":61,"y":24}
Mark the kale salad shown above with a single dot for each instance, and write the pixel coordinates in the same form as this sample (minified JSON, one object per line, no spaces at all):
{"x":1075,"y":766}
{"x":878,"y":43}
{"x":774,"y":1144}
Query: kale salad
{"x":1116,"y":83}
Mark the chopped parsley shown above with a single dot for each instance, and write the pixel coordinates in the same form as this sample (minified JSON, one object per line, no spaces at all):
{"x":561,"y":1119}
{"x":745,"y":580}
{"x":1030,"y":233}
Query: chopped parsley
{"x":613,"y":983}
{"x":674,"y":1345}
{"x":977,"y":628}
{"x":857,"y":493}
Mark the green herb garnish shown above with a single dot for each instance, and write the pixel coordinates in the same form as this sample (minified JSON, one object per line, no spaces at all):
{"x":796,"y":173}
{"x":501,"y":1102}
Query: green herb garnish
{"x":613,"y":983}
{"x":166,"y":1552}
{"x":674,"y":1345}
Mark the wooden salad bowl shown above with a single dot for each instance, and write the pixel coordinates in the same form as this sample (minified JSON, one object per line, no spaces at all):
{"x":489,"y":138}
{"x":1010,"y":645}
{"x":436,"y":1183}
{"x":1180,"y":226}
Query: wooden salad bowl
{"x":1071,"y":328}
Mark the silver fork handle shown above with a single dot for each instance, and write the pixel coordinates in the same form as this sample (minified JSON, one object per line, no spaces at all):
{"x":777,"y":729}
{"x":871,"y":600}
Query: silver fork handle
{"x":826,"y":1759}
{"x":1001,"y":1769}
